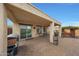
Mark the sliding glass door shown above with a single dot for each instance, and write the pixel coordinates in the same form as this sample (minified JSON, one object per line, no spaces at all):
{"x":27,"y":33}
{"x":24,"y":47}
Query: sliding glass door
{"x":25,"y":31}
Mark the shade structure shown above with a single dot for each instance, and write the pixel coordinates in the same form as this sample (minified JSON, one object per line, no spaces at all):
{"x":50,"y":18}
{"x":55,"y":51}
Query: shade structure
{"x":25,"y":17}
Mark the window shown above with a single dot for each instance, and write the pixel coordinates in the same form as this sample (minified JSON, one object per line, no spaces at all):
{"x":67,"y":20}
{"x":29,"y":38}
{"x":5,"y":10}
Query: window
{"x":25,"y":31}
{"x":39,"y":30}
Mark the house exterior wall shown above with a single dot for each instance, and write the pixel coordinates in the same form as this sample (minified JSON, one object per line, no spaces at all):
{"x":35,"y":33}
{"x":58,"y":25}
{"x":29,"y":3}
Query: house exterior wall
{"x":34,"y":31}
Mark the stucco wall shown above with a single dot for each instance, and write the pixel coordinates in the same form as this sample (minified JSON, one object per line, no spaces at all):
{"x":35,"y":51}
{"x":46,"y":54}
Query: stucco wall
{"x":66,"y":32}
{"x":34,"y":32}
{"x":77,"y":33}
{"x":69,"y":33}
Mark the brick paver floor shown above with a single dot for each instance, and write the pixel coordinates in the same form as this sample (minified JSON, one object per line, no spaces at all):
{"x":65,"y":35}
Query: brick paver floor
{"x":41,"y":47}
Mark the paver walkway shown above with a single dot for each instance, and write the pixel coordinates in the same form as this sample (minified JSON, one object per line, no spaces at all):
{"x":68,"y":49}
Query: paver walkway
{"x":41,"y":47}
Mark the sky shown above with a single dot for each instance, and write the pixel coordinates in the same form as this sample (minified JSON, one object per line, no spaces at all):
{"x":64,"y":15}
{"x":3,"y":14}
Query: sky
{"x":9,"y":23}
{"x":67,"y":14}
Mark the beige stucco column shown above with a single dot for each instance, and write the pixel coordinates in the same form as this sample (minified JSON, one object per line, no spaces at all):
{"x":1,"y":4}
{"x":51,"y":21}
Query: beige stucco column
{"x":51,"y":32}
{"x":42,"y":31}
{"x":16,"y":28}
{"x":3,"y":30}
{"x":60,"y":31}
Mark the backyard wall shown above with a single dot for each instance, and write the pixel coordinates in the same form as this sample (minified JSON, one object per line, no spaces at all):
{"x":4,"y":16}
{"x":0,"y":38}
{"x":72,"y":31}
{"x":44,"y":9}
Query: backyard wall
{"x":77,"y":33}
{"x":70,"y":33}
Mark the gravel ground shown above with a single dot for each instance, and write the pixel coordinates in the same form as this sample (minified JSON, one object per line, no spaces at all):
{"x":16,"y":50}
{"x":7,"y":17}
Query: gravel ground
{"x":42,"y":47}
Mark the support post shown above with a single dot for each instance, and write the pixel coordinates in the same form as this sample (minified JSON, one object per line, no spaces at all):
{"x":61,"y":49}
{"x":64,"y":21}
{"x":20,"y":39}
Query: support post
{"x":3,"y":30}
{"x":51,"y":32}
{"x":16,"y":28}
{"x":60,"y":31}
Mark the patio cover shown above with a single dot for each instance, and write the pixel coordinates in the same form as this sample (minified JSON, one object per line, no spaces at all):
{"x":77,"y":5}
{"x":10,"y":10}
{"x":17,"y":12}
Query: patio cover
{"x":27,"y":14}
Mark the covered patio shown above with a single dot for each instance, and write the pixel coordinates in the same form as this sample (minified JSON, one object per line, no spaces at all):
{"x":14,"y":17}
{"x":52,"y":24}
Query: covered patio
{"x":41,"y":46}
{"x":25,"y":14}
